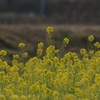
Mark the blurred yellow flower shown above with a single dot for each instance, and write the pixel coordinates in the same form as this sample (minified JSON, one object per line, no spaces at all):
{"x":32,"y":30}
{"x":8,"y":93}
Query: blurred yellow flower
{"x":21,"y":45}
{"x":40,"y":45}
{"x":49,"y":30}
{"x":79,"y":92}
{"x":2,"y":97}
{"x":66,"y":40}
{"x":23,"y":97}
{"x":16,"y":56}
{"x":39,"y":51}
{"x":25,"y":54}
{"x":2,"y":73}
{"x":83,"y":51}
{"x":3,"y":52}
{"x":14,"y":97}
{"x":57,"y":51}
{"x":97,"y":45}
{"x":55,"y":94}
{"x":69,"y":97}
{"x":91,"y":38}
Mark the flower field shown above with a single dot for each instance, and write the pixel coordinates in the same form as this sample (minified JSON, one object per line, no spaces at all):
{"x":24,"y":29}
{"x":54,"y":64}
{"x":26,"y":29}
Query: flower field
{"x":51,"y":76}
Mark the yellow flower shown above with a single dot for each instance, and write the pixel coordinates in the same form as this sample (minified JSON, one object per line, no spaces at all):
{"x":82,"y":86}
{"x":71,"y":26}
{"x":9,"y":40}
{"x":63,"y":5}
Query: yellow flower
{"x":21,"y":45}
{"x":44,"y":95}
{"x":83,"y":51}
{"x":56,"y":83}
{"x":23,"y":97}
{"x":2,"y":73}
{"x":22,"y":86}
{"x":38,"y":88}
{"x":34,"y":59}
{"x":2,"y":97}
{"x":39,"y":51}
{"x":55,"y":94}
{"x":14,"y":68}
{"x":57,"y":51}
{"x":91,"y":52}
{"x":97,"y":53}
{"x":15,"y":62}
{"x":3,"y":53}
{"x":67,"y":56}
{"x":77,"y":84}
{"x":32,"y":88}
{"x":91,"y":72}
{"x":50,"y":50}
{"x":32,"y":97}
{"x":14,"y":97}
{"x":16,"y":56}
{"x":64,"y":80}
{"x":91,"y":38}
{"x":25,"y":54}
{"x":8,"y":92}
{"x":66,"y":40}
{"x":97,"y":45}
{"x":78,"y":92}
{"x":40,"y":45}
{"x":71,"y":90}
{"x":93,"y":88}
{"x":69,"y":97}
{"x":49,"y":73}
{"x":49,"y":62}
{"x":97,"y":79}
{"x":85,"y":81}
{"x":49,"y":30}
{"x":56,"y":60}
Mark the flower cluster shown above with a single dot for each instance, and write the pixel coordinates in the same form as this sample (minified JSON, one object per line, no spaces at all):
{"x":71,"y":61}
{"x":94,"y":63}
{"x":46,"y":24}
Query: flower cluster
{"x":70,"y":77}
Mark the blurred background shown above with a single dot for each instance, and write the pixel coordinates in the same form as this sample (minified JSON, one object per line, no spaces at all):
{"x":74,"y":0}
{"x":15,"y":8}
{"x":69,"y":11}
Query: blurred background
{"x":52,"y":11}
{"x":26,"y":21}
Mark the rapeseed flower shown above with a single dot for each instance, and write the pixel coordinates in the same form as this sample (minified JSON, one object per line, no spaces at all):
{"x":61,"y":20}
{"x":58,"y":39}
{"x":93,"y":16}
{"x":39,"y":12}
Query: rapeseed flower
{"x":69,"y":97}
{"x":91,"y":38}
{"x":2,"y":73}
{"x":14,"y":97}
{"x":40,"y":49}
{"x":23,"y":97}
{"x":25,"y":54}
{"x":2,"y":97}
{"x":79,"y":92}
{"x":93,"y":88}
{"x":66,"y":41}
{"x":16,"y":56}
{"x":3,"y":53}
{"x":83,"y":51}
{"x":21,"y":45}
{"x":97,"y":79}
{"x":50,"y":76}
{"x":49,"y":30}
{"x":57,"y":51}
{"x":40,"y":45}
{"x":55,"y":94}
{"x":39,"y":52}
{"x":97,"y":45}
{"x":56,"y":60}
